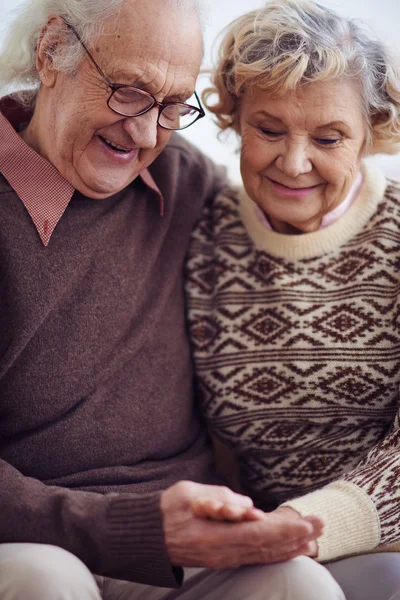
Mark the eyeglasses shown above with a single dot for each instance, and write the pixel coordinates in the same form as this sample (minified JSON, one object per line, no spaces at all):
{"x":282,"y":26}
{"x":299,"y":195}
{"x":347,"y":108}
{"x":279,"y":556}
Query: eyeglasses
{"x":130,"y":101}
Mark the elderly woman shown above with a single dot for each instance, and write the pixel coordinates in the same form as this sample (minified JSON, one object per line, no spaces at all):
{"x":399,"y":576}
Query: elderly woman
{"x":293,"y":285}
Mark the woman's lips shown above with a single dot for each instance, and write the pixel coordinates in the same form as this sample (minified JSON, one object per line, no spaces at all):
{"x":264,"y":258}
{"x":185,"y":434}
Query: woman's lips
{"x":284,"y":190}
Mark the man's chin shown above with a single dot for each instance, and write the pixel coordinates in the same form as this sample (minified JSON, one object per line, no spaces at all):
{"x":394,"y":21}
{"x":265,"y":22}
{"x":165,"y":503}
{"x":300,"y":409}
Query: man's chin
{"x":100,"y":189}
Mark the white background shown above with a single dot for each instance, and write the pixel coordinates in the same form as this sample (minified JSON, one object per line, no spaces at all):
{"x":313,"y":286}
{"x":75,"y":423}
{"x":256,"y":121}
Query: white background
{"x":383,"y":17}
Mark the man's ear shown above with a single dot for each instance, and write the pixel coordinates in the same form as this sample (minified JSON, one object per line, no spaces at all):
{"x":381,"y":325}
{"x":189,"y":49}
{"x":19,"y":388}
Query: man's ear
{"x":52,"y":36}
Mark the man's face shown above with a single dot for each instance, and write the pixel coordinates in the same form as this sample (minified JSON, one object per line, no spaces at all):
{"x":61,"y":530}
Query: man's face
{"x":98,"y":151}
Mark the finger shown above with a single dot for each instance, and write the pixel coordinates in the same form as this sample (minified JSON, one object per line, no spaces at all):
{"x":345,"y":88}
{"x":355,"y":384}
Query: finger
{"x":316,"y":521}
{"x":254,"y":536}
{"x":206,"y":508}
{"x":215,"y":503}
{"x":318,"y":525}
{"x":190,"y":491}
{"x":310,"y":549}
{"x":282,"y":531}
{"x":228,"y":496}
{"x":254,"y":514}
{"x":281,"y":552}
{"x":299,"y":546}
{"x":230,"y":512}
{"x":211,"y":509}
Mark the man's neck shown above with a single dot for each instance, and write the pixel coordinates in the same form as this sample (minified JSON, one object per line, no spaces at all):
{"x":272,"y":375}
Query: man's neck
{"x":31,"y":134}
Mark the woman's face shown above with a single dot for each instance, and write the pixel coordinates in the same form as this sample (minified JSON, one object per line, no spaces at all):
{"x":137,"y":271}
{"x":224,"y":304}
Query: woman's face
{"x":301,"y":152}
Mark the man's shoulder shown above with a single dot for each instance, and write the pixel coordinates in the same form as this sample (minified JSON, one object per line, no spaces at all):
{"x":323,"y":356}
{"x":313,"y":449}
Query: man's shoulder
{"x":182,"y":153}
{"x":183,"y":167}
{"x":180,"y":146}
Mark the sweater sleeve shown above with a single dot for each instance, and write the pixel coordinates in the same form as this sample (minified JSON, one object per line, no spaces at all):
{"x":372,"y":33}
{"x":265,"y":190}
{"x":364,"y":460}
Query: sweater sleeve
{"x":116,"y":535}
{"x":362,"y":509}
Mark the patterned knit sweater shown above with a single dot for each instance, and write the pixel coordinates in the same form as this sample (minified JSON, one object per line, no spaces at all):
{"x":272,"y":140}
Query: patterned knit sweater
{"x":297,"y":348}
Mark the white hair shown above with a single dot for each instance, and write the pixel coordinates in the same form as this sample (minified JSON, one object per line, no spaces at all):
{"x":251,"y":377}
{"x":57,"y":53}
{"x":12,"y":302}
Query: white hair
{"x":18,"y":56}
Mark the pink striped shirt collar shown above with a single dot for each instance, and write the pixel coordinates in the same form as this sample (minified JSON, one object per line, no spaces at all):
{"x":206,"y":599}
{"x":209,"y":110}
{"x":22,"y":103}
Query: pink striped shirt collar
{"x":331,"y":216}
{"x":42,"y":189}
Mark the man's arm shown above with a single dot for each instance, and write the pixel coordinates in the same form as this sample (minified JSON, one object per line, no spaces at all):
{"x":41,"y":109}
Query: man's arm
{"x":139,"y":537}
{"x":118,"y":535}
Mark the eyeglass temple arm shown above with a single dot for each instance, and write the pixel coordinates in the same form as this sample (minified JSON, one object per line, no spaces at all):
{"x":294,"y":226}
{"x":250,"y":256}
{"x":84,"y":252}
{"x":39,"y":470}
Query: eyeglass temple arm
{"x":88,"y":53}
{"x":101,"y":72}
{"x":200,"y":104}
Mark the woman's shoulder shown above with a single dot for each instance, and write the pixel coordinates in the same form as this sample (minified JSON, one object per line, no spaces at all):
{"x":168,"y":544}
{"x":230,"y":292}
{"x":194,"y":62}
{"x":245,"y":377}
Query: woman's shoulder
{"x":221,"y":214}
{"x":389,"y":207}
{"x":226,"y":202}
{"x":392,"y":189}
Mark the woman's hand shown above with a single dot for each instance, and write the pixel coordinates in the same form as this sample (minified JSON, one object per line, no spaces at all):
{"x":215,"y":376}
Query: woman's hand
{"x":290,"y":513}
{"x":240,"y":508}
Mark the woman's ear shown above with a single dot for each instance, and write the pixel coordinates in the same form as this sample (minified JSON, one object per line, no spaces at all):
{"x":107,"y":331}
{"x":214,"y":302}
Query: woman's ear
{"x":52,"y":36}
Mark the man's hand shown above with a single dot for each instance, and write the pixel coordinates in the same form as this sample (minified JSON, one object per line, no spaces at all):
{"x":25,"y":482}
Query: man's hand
{"x":252,"y":537}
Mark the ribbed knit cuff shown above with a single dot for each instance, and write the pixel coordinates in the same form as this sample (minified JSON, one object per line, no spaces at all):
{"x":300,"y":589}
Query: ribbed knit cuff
{"x":352,"y":521}
{"x":136,"y":541}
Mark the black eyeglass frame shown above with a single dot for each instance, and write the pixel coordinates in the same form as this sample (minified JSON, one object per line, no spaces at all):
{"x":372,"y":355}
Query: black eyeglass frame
{"x":117,"y":86}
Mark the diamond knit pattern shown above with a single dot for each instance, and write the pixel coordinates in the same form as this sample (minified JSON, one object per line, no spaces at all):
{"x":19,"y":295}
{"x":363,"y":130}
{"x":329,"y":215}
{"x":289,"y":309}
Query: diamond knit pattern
{"x":298,"y":360}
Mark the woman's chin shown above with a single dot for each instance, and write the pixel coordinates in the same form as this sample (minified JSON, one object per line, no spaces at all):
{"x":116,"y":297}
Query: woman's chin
{"x":293,"y":226}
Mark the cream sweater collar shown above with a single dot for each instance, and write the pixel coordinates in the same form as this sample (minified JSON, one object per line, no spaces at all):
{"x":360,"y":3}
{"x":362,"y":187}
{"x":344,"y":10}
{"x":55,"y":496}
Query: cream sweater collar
{"x":323,"y":241}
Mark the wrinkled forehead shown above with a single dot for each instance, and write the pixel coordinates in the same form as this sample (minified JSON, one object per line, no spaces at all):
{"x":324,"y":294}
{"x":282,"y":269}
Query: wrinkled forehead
{"x":152,"y":47}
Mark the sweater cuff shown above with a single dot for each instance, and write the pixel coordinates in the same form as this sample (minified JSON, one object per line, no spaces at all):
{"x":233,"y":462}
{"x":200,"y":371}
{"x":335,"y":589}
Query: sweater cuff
{"x":136,"y":542}
{"x":351,"y":519}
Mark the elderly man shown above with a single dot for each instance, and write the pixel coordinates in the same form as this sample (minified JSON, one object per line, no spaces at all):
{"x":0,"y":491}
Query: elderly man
{"x":98,"y":426}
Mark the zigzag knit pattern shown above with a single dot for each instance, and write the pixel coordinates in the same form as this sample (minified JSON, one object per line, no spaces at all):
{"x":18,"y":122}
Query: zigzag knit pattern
{"x":298,"y":357}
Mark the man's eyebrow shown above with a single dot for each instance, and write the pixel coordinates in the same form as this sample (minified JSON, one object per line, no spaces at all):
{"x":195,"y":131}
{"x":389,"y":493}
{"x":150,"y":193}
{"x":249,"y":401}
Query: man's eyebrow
{"x":132,"y":80}
{"x":178,"y":98}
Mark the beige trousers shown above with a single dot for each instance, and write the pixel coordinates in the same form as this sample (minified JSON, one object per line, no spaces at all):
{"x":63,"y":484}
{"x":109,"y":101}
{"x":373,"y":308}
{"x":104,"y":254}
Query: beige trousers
{"x":40,"y":572}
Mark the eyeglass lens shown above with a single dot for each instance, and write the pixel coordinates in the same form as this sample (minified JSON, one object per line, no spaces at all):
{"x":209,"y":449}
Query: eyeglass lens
{"x":131,"y":102}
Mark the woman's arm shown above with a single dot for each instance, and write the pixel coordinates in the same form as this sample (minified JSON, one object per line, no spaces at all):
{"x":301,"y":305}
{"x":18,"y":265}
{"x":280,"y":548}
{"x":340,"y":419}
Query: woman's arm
{"x":362,"y":509}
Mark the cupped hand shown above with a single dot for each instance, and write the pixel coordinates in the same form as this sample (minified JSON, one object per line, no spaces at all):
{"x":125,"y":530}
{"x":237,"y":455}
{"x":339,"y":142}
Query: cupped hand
{"x":213,"y":527}
{"x":317,"y":522}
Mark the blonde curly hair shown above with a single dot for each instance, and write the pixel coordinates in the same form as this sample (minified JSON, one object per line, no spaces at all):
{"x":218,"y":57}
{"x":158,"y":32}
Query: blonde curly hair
{"x":291,"y":43}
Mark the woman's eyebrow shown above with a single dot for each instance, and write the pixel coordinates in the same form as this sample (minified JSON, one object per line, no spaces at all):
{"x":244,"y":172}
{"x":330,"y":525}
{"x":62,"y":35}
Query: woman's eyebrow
{"x":333,"y":125}
{"x":264,"y":113}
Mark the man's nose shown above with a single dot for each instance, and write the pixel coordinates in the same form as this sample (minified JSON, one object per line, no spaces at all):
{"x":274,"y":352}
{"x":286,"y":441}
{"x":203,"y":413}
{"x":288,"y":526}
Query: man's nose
{"x":143,"y":129}
{"x":294,"y":159}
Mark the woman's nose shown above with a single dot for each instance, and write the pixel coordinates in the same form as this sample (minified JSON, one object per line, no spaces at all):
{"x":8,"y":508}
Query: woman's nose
{"x":294,"y":159}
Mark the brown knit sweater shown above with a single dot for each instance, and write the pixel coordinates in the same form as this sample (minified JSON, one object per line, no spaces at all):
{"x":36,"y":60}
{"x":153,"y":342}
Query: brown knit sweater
{"x":297,"y":349}
{"x":96,"y":402}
